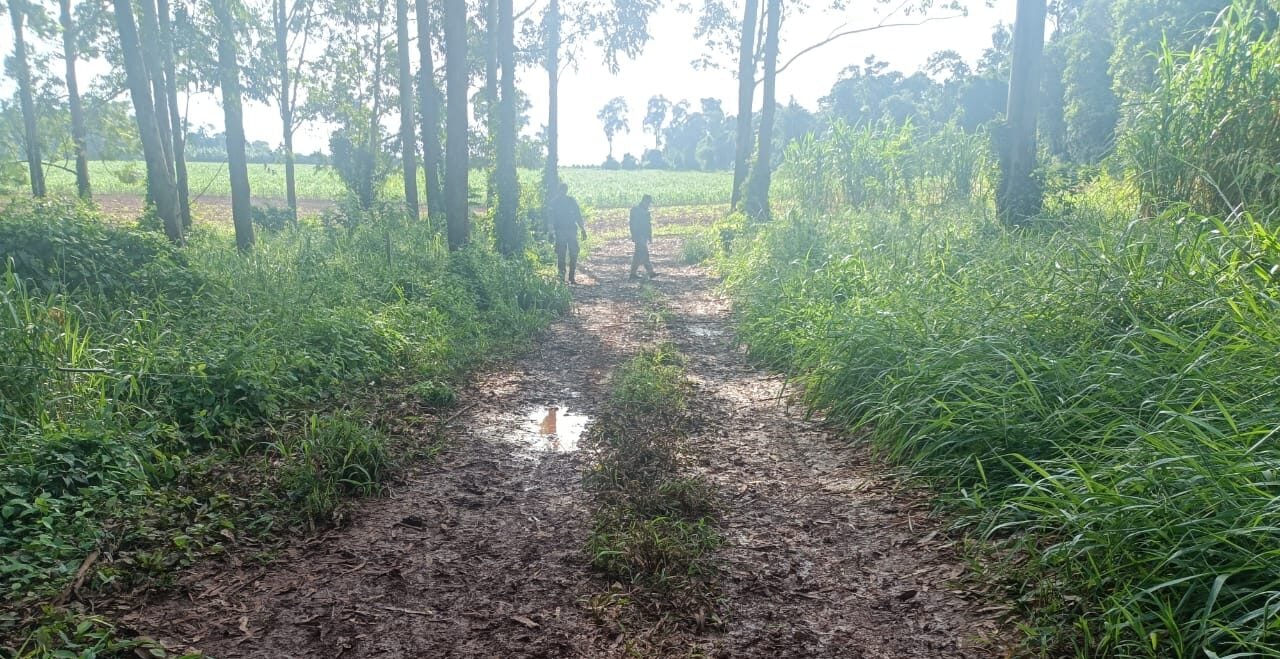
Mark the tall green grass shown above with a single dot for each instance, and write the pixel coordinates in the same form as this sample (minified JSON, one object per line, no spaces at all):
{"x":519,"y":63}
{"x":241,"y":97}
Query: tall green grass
{"x":1106,"y":389}
{"x":1210,"y":135}
{"x":884,"y":166}
{"x":135,"y":372}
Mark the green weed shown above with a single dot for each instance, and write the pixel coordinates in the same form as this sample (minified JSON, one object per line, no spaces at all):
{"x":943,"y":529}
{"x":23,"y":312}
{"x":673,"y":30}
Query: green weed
{"x":651,"y":383}
{"x":1095,"y":385}
{"x":698,"y":248}
{"x":662,"y":553}
{"x":334,"y":459}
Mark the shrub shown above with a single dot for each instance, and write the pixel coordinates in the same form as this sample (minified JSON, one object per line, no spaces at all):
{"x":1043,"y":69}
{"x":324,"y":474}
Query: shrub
{"x":56,"y":247}
{"x":1210,"y":135}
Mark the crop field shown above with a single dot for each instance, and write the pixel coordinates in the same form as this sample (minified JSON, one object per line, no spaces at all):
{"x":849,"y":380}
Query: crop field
{"x":596,"y":188}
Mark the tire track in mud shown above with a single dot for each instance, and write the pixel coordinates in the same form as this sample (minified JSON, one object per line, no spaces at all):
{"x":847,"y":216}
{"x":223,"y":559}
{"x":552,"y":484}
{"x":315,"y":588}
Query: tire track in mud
{"x":479,"y":553}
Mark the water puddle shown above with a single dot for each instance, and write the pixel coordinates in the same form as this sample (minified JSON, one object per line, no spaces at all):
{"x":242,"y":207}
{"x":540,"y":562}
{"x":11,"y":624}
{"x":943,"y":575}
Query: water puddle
{"x":554,"y":428}
{"x":704,"y":331}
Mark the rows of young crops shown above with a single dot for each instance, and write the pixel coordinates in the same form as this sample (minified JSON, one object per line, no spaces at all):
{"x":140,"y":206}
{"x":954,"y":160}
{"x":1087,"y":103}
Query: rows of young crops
{"x":596,"y":188}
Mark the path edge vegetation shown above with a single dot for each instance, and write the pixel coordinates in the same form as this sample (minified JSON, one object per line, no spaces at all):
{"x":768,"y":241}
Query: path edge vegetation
{"x":175,"y":403}
{"x":1083,"y":388}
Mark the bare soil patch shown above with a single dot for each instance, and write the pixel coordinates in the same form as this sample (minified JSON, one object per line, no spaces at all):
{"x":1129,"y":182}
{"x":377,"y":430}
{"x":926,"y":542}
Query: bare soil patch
{"x":479,"y":553}
{"x":207,"y":208}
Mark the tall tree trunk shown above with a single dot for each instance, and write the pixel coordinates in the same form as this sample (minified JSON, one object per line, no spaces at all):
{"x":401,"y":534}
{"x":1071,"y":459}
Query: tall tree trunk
{"x":429,"y":106}
{"x":160,"y":186}
{"x":18,"y":14}
{"x":154,"y":67}
{"x":232,"y":110}
{"x":83,"y":188}
{"x":179,"y":132}
{"x":285,"y":98}
{"x":551,"y":172}
{"x":746,"y":94}
{"x":756,"y":200}
{"x":1019,"y":195}
{"x":505,"y":219}
{"x":373,"y":146}
{"x":455,"y":157}
{"x":491,"y":29}
{"x":408,"y":145}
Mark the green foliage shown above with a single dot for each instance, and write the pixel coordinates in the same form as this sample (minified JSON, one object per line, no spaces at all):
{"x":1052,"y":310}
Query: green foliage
{"x":653,"y":527}
{"x":651,"y":383}
{"x":272,"y":219}
{"x":55,"y":246}
{"x":67,"y":635}
{"x":592,"y":187}
{"x":139,"y":376}
{"x":434,"y":393}
{"x":334,"y":459}
{"x":1210,"y":136}
{"x":661,"y":552}
{"x":1096,"y":388}
{"x":698,"y":248}
{"x":884,"y":165}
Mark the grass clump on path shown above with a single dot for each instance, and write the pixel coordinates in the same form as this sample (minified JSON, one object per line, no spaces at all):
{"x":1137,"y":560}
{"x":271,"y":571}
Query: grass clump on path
{"x":654,"y":527}
{"x":170,"y":402}
{"x":1102,"y":388}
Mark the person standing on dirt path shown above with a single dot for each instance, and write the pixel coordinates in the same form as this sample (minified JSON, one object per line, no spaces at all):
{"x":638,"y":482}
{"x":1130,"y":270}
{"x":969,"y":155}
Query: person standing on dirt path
{"x":566,"y":222}
{"x":642,"y":235}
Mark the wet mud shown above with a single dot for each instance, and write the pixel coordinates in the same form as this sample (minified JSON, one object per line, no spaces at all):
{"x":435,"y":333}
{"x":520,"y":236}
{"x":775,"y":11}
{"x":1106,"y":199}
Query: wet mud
{"x":479,"y":553}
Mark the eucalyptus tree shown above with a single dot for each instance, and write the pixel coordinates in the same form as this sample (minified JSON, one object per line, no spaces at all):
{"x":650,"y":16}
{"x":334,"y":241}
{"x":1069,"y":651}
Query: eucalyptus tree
{"x":655,"y":116}
{"x":429,"y":110}
{"x":408,"y":150}
{"x":153,"y":58}
{"x":348,"y":88}
{"x":177,"y":130}
{"x":455,"y":157}
{"x":756,"y":197}
{"x":292,"y":22}
{"x":161,"y":188}
{"x":613,"y":118}
{"x":508,"y":185}
{"x":619,"y":28}
{"x":70,"y":36}
{"x":1018,"y":195}
{"x":237,"y":165}
{"x":18,"y":12}
{"x":551,"y":26}
{"x":746,"y":95}
{"x":749,"y":56}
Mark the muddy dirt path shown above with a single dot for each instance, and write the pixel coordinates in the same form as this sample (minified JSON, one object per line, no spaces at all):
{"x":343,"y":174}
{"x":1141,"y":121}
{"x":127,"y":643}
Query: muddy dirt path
{"x":479,"y":554}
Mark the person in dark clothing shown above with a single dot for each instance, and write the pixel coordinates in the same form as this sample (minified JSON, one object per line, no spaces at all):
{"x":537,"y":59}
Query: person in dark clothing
{"x":642,"y":235}
{"x":566,"y":222}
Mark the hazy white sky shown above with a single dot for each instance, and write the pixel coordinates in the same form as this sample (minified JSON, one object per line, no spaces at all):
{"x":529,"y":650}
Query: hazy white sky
{"x":665,"y":68}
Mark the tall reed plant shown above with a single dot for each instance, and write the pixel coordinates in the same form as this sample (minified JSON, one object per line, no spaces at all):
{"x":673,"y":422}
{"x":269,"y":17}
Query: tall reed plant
{"x":1210,"y":135}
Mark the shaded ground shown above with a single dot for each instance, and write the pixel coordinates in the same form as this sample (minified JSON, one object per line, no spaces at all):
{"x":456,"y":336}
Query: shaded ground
{"x":480,"y":553}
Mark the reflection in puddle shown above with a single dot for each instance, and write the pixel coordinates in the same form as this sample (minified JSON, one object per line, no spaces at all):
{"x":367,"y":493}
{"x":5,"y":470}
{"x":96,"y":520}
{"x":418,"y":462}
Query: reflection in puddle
{"x":702,"y":330}
{"x":555,"y":428}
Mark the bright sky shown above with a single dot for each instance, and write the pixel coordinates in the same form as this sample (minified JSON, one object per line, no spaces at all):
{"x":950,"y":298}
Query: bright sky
{"x":665,"y":68}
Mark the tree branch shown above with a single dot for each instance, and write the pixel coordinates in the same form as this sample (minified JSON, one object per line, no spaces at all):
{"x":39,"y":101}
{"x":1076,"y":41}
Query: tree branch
{"x":860,"y":30}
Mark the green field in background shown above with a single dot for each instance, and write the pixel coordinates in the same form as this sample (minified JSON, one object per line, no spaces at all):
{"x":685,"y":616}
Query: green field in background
{"x":597,"y":188}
